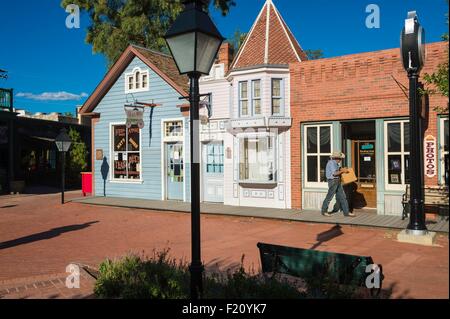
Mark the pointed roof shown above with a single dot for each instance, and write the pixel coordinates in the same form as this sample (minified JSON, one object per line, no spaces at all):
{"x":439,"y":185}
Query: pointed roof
{"x":162,"y":64}
{"x":270,"y":41}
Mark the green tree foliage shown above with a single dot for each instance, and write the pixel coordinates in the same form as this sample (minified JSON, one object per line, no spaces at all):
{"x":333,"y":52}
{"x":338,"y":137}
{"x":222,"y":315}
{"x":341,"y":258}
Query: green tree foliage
{"x":78,"y":153}
{"x":314,"y":54}
{"x":437,"y":82}
{"x":237,"y":40}
{"x":114,"y":24}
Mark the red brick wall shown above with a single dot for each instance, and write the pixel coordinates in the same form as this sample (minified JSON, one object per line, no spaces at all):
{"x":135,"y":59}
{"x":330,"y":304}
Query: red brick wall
{"x":359,"y":86}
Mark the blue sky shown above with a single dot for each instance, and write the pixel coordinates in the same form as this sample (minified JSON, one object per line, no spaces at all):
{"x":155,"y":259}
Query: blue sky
{"x":43,"y":56}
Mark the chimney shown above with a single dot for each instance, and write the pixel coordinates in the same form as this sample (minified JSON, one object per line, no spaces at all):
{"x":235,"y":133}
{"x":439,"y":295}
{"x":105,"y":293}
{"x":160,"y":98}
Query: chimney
{"x":225,"y":55}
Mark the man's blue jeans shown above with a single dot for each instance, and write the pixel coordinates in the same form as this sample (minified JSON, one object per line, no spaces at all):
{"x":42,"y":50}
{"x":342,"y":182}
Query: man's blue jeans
{"x":335,"y":188}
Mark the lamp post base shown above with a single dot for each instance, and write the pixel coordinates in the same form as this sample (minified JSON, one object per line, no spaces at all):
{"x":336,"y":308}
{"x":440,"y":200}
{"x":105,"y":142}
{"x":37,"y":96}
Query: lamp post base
{"x":417,"y":237}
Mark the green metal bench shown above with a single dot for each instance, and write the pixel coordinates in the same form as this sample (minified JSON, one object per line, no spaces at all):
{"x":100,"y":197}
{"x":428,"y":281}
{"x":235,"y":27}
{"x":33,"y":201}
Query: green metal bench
{"x":305,"y":263}
{"x":434,"y":196}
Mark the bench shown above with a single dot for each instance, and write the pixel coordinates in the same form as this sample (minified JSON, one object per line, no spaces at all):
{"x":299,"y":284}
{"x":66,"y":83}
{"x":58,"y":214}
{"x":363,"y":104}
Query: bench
{"x":435,"y":196}
{"x":306,"y":263}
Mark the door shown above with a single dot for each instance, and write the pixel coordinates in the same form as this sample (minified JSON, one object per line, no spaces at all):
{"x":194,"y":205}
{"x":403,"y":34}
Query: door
{"x":364,"y":164}
{"x":213,"y":172}
{"x":174,"y":171}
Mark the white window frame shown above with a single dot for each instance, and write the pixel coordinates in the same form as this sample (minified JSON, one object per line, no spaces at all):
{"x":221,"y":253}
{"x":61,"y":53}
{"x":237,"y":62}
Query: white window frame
{"x":402,"y":153}
{"x":442,"y":149}
{"x":254,"y":98}
{"x":318,"y":154}
{"x":241,"y":99}
{"x":112,"y":153}
{"x":280,"y":97}
{"x":132,"y":74}
{"x":261,"y":135}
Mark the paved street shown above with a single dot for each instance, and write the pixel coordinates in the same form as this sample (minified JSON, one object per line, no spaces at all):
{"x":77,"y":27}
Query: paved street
{"x":39,"y":238}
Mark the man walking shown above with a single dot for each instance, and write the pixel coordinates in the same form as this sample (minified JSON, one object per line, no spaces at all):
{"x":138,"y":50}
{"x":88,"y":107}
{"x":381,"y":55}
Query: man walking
{"x":333,"y":173}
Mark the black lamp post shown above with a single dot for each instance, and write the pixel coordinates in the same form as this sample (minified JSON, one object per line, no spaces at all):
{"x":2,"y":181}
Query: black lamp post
{"x":194,"y":42}
{"x":63,"y":143}
{"x":413,"y":57}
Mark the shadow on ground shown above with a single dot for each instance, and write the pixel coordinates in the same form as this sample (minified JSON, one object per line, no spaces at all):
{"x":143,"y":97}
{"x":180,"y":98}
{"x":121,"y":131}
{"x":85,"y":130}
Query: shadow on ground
{"x":52,"y":233}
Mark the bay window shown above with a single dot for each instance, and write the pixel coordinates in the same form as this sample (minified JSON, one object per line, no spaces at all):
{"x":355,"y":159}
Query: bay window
{"x":257,"y":159}
{"x":318,"y":149}
{"x":397,"y":148}
{"x":126,"y":153}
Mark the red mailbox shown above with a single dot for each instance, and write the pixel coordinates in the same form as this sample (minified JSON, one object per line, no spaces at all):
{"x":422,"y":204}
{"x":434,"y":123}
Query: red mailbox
{"x":86,"y":183}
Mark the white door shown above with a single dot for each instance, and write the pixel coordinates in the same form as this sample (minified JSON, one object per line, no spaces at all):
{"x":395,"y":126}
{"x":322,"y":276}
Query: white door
{"x":213,"y":166}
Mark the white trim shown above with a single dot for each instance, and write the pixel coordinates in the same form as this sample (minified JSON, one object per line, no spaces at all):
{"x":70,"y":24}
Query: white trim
{"x":402,"y":154}
{"x":165,"y":140}
{"x":266,"y":50}
{"x":133,"y":74}
{"x":111,"y":158}
{"x":283,"y":23}
{"x":442,"y":150}
{"x":247,"y":38}
{"x":316,"y":185}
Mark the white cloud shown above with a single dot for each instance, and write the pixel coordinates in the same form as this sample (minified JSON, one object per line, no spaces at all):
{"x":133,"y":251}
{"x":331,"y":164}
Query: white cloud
{"x":53,"y":96}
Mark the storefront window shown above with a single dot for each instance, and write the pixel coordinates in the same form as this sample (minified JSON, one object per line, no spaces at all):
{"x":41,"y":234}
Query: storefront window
{"x":397,"y":153}
{"x":318,"y":152}
{"x":257,"y":159}
{"x":127,"y":157}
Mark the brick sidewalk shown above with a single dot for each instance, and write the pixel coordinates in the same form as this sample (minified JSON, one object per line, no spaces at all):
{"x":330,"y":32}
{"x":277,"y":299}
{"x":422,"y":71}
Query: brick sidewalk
{"x":40,"y":237}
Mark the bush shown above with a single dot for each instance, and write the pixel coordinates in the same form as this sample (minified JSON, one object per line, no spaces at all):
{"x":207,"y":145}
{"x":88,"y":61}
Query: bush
{"x":160,"y":277}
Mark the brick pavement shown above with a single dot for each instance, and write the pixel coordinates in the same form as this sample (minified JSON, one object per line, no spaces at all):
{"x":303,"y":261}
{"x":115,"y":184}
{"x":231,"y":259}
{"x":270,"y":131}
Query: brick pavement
{"x":39,"y":237}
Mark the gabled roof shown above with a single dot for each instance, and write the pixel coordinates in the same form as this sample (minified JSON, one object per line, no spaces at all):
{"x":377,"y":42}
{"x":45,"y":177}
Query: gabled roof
{"x":269,"y":42}
{"x":161,"y":64}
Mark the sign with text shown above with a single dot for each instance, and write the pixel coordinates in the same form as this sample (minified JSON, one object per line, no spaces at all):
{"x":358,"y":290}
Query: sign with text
{"x":430,"y":156}
{"x":135,"y":116}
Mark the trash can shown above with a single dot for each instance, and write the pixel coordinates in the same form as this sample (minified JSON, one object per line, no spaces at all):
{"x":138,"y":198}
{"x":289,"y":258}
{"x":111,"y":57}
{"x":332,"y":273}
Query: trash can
{"x":86,"y":183}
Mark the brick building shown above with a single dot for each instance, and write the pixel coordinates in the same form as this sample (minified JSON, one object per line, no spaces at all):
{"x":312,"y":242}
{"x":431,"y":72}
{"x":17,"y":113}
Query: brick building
{"x":359,"y":104}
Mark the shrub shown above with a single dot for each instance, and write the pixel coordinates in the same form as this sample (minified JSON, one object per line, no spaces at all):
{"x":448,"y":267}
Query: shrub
{"x":160,"y":277}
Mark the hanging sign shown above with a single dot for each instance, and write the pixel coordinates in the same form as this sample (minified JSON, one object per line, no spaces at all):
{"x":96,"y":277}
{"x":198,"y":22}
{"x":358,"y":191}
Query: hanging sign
{"x":430,"y":156}
{"x":135,"y":116}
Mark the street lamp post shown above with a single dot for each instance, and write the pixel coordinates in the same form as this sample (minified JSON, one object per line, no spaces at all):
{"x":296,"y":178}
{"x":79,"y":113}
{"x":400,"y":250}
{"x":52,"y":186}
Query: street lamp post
{"x":194,"y":42}
{"x":413,"y":57}
{"x":63,"y":143}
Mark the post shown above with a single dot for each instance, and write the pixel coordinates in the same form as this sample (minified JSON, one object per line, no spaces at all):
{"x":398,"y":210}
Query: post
{"x":196,"y":267}
{"x":63,"y":174}
{"x":417,"y":216}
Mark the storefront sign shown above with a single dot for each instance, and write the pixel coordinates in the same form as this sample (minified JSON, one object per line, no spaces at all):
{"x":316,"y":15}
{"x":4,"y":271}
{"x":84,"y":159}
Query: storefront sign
{"x":430,"y":156}
{"x":99,"y":154}
{"x":135,"y":116}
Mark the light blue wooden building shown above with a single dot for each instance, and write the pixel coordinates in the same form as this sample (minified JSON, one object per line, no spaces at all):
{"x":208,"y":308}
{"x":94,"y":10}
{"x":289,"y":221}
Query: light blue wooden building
{"x":149,"y":162}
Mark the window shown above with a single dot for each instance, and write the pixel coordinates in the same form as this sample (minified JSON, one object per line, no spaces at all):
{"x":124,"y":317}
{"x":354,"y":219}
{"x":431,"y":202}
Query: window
{"x":243,"y":99}
{"x":257,"y":159}
{"x":277,"y":99}
{"x":397,"y":154}
{"x":137,"y":81}
{"x":318,"y":149}
{"x":444,"y":151}
{"x":256,"y":97}
{"x":214,"y":160}
{"x":126,"y":152}
{"x":173,"y":129}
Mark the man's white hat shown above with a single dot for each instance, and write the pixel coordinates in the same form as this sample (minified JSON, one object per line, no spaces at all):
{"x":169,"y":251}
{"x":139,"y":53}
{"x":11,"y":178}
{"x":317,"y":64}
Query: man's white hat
{"x":338,"y":155}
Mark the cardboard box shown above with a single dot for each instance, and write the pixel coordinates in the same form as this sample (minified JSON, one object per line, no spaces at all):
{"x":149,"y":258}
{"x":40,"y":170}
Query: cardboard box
{"x":349,"y":177}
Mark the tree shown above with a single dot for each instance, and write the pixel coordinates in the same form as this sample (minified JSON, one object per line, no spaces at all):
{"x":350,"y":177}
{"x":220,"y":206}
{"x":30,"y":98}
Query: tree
{"x":437,"y":82}
{"x":237,"y":40}
{"x":117,"y":23}
{"x":78,"y":153}
{"x":314,"y":54}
